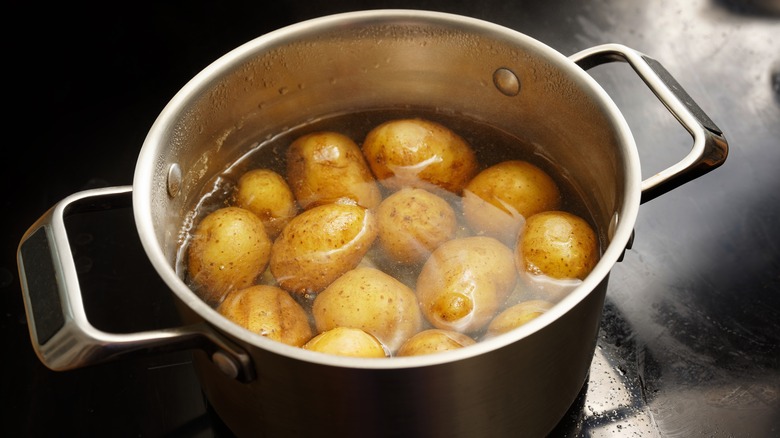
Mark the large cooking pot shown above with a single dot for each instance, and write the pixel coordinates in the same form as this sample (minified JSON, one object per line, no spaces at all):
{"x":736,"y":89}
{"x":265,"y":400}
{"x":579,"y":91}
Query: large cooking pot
{"x":520,"y":383}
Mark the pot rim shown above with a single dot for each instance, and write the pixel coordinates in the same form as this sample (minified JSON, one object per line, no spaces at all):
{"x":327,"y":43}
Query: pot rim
{"x":143,"y":177}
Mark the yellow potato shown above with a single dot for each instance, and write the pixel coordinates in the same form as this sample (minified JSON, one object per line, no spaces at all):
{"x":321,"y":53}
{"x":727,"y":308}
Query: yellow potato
{"x":229,"y":249}
{"x":321,"y":244}
{"x":347,"y":341}
{"x":464,"y":282}
{"x":557,"y":244}
{"x":369,"y":299}
{"x":266,"y":194}
{"x":498,"y":199}
{"x":412,"y":223}
{"x":324,"y":167}
{"x":434,"y":341}
{"x":517,"y":315}
{"x":269,"y":311}
{"x":419,"y":153}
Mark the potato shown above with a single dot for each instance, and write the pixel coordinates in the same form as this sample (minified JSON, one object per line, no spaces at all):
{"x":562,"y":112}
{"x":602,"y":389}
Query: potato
{"x":434,"y":341}
{"x":347,"y":341}
{"x":517,"y":315}
{"x":228,"y":250}
{"x":419,"y":153}
{"x":413,"y":222}
{"x":370,"y":300}
{"x":498,"y":199}
{"x":557,"y":244}
{"x":321,"y":244}
{"x":464,"y":282}
{"x":266,"y":194}
{"x":323,"y":167}
{"x":269,"y":311}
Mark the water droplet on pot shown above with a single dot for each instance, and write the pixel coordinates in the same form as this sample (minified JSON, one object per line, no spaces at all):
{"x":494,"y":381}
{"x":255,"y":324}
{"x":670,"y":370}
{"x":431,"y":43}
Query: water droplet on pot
{"x":506,"y":81}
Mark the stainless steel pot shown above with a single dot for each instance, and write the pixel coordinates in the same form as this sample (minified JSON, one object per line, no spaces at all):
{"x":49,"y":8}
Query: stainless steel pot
{"x":520,"y":383}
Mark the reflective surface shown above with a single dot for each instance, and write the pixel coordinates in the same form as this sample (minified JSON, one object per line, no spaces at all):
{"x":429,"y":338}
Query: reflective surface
{"x":690,"y":339}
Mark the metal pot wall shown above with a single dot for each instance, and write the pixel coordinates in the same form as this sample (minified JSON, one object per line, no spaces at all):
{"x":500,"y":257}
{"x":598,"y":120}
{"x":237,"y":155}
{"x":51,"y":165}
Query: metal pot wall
{"x":520,"y":383}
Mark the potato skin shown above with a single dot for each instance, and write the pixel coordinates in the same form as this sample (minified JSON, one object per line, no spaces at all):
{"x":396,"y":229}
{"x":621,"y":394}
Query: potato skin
{"x":419,"y":153}
{"x":228,"y":250}
{"x":413,"y":222}
{"x":434,"y":341}
{"x":321,"y":244}
{"x":323,"y":167}
{"x":517,"y":315}
{"x":369,"y":299}
{"x":498,"y":199}
{"x":557,"y":244}
{"x":269,"y":311}
{"x":266,"y":194}
{"x":464,"y":282}
{"x":347,"y":341}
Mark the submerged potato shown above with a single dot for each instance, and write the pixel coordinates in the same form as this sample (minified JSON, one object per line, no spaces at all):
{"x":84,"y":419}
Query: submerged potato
{"x":324,"y":167}
{"x":517,"y":315}
{"x":266,"y":194}
{"x":369,"y":299}
{"x":347,"y":341}
{"x":557,"y":244}
{"x":321,"y":244}
{"x":498,"y":199}
{"x":412,"y":223}
{"x":464,"y":282}
{"x":419,"y":153}
{"x":229,"y":249}
{"x":269,"y":311}
{"x":434,"y":341}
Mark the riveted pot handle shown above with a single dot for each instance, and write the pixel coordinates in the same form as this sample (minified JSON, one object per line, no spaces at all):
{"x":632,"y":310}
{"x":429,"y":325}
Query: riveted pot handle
{"x":61,"y":334}
{"x":709,"y":145}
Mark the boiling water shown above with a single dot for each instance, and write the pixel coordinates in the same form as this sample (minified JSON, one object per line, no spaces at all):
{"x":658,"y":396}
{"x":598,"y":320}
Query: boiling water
{"x":490,"y":145}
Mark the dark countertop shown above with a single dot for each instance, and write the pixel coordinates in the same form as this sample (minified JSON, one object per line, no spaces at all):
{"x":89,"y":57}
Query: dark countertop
{"x":690,"y":340}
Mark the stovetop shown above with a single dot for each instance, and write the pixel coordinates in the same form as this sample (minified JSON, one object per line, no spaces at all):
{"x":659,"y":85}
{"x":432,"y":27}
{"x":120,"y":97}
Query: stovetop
{"x":689,"y":343}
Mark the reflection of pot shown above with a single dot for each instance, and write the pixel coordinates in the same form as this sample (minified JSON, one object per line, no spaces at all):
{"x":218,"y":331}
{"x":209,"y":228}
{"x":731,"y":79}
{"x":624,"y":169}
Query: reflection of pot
{"x":521,"y":382}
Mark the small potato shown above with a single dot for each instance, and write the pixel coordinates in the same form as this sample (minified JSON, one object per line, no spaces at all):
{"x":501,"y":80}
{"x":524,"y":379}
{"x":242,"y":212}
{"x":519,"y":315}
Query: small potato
{"x":557,"y":244}
{"x":497,"y":201}
{"x":266,"y":194}
{"x":347,"y":341}
{"x":324,"y":167}
{"x":321,"y":244}
{"x":419,"y":153}
{"x":269,"y":311}
{"x":370,"y":300}
{"x":434,"y":341}
{"x":229,"y":249}
{"x":464,"y":282}
{"x":412,"y":223}
{"x":517,"y":315}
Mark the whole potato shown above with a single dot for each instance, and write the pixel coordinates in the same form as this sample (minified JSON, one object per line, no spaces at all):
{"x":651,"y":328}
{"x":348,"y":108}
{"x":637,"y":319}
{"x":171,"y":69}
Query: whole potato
{"x":413,"y":222}
{"x":464,"y":282}
{"x":228,"y":250}
{"x":266,"y":194}
{"x":269,"y":311}
{"x":323,"y":167}
{"x":369,"y":299}
{"x":557,"y":244}
{"x":517,"y":315}
{"x":498,"y":199}
{"x":321,"y":244}
{"x":419,"y":153}
{"x":434,"y":341}
{"x":347,"y":341}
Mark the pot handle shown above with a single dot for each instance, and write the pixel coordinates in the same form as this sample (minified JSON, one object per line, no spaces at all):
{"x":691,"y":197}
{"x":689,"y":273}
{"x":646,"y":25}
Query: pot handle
{"x":709,"y":149}
{"x":61,"y":334}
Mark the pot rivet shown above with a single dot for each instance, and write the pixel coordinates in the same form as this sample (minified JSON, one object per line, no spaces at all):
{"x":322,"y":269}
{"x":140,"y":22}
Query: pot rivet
{"x":225,"y":364}
{"x":174,"y":180}
{"x":506,"y":81}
